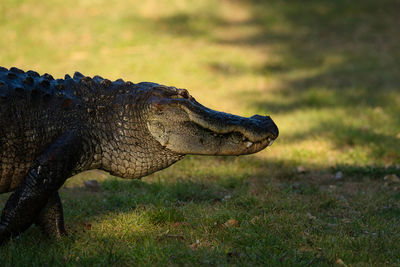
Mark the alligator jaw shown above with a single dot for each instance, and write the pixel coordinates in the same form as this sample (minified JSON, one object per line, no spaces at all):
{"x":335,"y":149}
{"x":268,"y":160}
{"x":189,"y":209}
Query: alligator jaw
{"x":186,"y":127}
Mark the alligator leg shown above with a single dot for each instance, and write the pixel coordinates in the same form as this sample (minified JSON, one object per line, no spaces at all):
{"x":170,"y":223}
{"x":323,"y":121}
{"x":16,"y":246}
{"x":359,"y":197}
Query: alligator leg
{"x":43,"y":180}
{"x":51,"y":219}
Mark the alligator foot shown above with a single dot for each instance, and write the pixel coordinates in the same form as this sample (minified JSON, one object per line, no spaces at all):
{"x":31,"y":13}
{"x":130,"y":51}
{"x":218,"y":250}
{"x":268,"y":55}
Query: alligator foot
{"x":36,"y":198}
{"x":51,"y":219}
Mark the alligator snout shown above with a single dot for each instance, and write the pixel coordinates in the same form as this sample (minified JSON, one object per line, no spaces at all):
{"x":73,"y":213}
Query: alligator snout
{"x":184,"y":126}
{"x":268,"y":125}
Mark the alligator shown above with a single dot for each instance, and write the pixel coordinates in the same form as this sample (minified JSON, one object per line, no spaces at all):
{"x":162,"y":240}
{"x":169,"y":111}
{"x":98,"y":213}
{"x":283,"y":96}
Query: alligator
{"x":52,"y":129}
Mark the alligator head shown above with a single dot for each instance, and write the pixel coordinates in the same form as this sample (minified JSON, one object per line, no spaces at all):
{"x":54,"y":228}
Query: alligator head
{"x":179,"y":123}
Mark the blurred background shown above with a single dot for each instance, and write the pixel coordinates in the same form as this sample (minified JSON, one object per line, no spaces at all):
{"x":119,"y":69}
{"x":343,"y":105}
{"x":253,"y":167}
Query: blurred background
{"x":327,"y":72}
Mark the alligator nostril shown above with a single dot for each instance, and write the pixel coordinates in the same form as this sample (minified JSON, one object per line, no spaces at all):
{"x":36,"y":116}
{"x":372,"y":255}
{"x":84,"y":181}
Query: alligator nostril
{"x":273,"y":129}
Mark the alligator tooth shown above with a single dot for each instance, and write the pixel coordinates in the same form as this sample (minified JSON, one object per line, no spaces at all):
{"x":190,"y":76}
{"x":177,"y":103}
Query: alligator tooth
{"x":249,"y":144}
{"x":270,"y":141}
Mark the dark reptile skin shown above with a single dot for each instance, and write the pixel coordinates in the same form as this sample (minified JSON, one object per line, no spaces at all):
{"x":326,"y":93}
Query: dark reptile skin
{"x":51,"y":129}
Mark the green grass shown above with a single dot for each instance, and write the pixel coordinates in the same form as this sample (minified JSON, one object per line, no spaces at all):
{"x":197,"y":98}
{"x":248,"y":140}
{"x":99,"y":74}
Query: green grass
{"x":328,"y":72}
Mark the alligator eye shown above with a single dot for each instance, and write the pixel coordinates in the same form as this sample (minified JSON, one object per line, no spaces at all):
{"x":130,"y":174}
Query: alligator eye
{"x":184,"y":93}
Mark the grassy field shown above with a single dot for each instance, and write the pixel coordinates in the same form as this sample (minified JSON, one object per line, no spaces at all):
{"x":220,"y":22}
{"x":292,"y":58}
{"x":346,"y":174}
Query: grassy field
{"x":328,"y":72}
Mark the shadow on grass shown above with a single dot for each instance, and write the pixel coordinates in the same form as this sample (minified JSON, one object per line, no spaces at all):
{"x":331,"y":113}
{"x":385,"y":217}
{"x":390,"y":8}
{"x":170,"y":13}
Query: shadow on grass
{"x":351,"y":49}
{"x":227,"y":187}
{"x":340,"y":58}
{"x":209,"y":182}
{"x":335,"y":58}
{"x":182,"y":24}
{"x":334,"y":55}
{"x":162,"y":198}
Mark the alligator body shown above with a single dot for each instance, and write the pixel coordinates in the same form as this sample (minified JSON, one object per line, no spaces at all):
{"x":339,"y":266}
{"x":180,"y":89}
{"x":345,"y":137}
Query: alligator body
{"x":52,"y":129}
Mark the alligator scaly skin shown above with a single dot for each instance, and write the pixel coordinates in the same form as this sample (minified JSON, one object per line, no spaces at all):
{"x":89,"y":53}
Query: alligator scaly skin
{"x":52,"y":129}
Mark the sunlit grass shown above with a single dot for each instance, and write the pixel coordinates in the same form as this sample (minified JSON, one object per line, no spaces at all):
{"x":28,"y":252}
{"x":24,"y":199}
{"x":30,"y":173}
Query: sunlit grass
{"x":326,"y":71}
